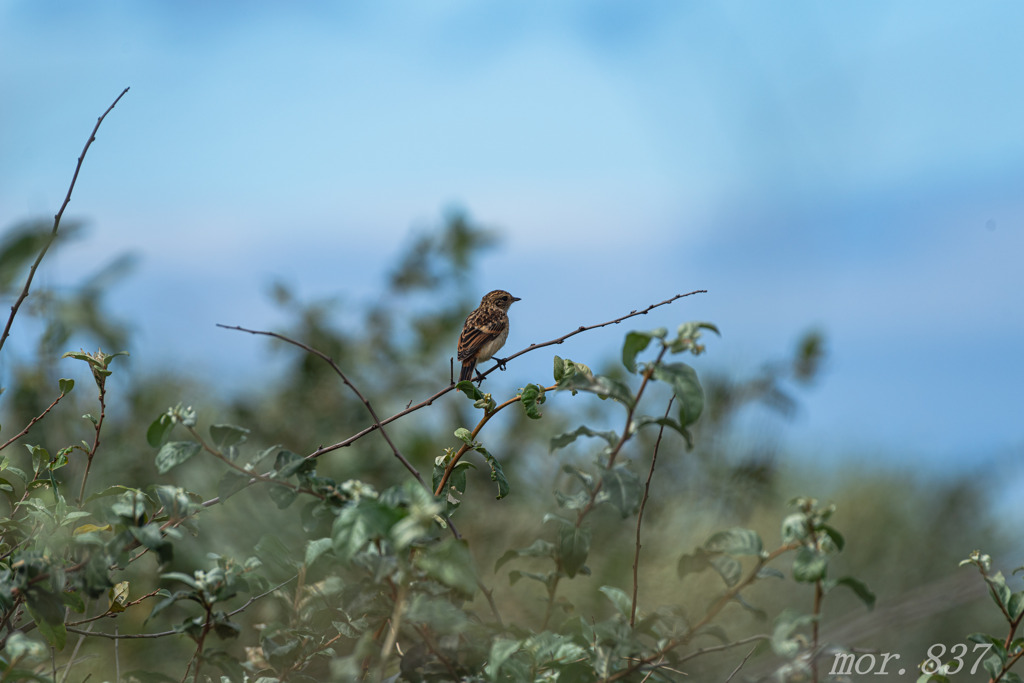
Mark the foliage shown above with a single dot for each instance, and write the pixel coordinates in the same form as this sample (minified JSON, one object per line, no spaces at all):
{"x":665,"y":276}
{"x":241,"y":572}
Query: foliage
{"x":235,"y":547}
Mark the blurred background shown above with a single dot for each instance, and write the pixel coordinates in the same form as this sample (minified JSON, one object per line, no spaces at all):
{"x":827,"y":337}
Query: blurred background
{"x":360,"y":174}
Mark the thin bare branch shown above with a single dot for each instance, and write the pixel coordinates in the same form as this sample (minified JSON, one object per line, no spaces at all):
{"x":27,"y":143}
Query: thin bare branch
{"x":377,"y":424}
{"x":742,"y":662}
{"x":32,"y":422}
{"x":532,"y":347}
{"x":56,"y":222}
{"x":164,"y":634}
{"x":640,"y":515}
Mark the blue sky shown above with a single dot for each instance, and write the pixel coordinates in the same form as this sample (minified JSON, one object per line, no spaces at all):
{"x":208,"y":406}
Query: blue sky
{"x":853,"y":167}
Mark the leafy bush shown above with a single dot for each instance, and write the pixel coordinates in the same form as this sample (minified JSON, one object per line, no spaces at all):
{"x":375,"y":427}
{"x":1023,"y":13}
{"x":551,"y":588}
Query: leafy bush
{"x":236,"y":549}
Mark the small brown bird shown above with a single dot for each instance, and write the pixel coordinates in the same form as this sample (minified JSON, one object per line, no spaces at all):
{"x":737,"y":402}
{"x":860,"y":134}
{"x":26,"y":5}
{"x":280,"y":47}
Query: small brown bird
{"x":485,"y":331}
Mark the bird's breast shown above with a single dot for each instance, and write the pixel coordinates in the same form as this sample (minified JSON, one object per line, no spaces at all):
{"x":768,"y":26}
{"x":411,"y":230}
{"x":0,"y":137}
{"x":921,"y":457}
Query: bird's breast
{"x":490,"y":348}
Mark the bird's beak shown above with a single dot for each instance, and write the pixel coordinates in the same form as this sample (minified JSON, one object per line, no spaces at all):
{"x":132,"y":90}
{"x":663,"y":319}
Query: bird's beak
{"x":516,"y":298}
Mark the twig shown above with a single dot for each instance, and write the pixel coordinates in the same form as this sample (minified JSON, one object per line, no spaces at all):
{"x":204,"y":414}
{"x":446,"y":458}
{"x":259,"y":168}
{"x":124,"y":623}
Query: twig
{"x":108,"y":613}
{"x":640,"y":515}
{"x":101,"y":381}
{"x":626,"y":435}
{"x":742,"y":662}
{"x":394,"y":623}
{"x":253,"y":476}
{"x":334,"y":366}
{"x":164,"y":634}
{"x":56,"y":222}
{"x":465,"y":446}
{"x":200,"y":643}
{"x":32,"y":422}
{"x":534,"y":347}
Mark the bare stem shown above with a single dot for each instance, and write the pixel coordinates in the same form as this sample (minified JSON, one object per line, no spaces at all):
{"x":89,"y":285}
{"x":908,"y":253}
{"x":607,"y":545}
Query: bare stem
{"x":640,"y":515}
{"x":56,"y":222}
{"x":377,"y":424}
{"x":96,"y":440}
{"x":32,"y":422}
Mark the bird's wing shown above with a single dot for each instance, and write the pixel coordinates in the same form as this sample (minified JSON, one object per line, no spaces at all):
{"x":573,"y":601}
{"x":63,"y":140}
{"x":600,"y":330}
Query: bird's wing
{"x":480,"y":328}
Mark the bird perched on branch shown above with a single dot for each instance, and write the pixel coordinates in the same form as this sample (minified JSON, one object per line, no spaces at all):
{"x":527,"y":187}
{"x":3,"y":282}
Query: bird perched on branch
{"x":485,"y":331}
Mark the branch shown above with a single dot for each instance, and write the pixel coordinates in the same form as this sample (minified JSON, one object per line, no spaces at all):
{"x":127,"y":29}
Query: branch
{"x":585,"y":328}
{"x":627,"y":434}
{"x":377,"y":424}
{"x":56,"y":222}
{"x":465,"y":446}
{"x":91,"y":453}
{"x":640,"y":515}
{"x":32,"y":422}
{"x":532,"y":347}
{"x":164,"y":634}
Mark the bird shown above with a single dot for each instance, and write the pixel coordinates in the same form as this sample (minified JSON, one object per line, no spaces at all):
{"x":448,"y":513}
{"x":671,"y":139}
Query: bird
{"x":484,"y":331}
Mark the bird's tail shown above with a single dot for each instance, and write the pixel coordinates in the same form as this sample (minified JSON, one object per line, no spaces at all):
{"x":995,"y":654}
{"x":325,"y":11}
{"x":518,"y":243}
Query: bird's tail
{"x":467,"y":370}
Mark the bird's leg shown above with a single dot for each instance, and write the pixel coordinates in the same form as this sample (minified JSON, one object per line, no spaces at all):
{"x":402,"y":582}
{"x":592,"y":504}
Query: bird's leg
{"x":500,"y":363}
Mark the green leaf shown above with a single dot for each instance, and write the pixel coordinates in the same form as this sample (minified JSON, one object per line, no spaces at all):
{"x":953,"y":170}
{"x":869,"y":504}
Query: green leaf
{"x":832,"y":533}
{"x":621,"y":488}
{"x":173,"y":453}
{"x":47,"y":610}
{"x":735,"y":541}
{"x":287,"y":463}
{"x":532,"y":396}
{"x":438,"y":613}
{"x":809,"y":566}
{"x":451,"y":563}
{"x":635,"y":343}
{"x":231,"y":483}
{"x":316,"y":548}
{"x":158,"y":430}
{"x":728,"y":567}
{"x":497,"y":474}
{"x":563,"y":440}
{"x":566,"y":368}
{"x":66,"y":385}
{"x":539,"y":548}
{"x":283,"y":496}
{"x":573,"y":548}
{"x":117,"y":597}
{"x":1000,"y":592}
{"x":794,"y":528}
{"x":464,"y":435}
{"x":576,"y":501}
{"x":358,"y":524}
{"x":225,"y":436}
{"x":501,"y":650}
{"x":685,"y":385}
{"x":642,"y":421}
{"x":151,"y":537}
{"x":618,"y":597}
{"x":687,"y":335}
{"x":470,"y":389}
{"x":176,"y":501}
{"x":20,"y":646}
{"x":786,"y":642}
{"x":40,"y":457}
{"x":1015,"y":605}
{"x":186,"y":579}
{"x":604,"y":387}
{"x":859,"y":588}
{"x":693,"y":563}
